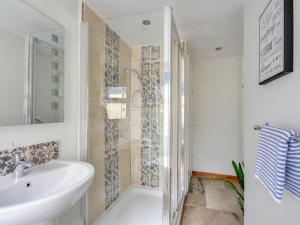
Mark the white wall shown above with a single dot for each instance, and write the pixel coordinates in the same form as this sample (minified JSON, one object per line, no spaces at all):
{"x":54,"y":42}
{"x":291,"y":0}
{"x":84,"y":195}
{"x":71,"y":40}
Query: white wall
{"x":277,"y":103}
{"x":216,"y":109}
{"x":12,"y":74}
{"x":67,"y":13}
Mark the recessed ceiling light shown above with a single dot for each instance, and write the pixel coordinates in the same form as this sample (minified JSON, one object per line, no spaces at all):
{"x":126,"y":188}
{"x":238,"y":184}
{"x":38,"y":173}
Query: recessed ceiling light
{"x":218,"y":48}
{"x":146,"y":22}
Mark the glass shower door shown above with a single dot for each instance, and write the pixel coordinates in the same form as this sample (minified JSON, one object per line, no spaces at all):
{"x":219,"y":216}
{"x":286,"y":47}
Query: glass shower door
{"x":181,"y":150}
{"x":174,"y":122}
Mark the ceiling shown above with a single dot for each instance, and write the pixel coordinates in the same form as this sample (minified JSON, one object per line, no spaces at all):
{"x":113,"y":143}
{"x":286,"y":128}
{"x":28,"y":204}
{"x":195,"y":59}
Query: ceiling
{"x":208,"y":24}
{"x":28,"y":20}
{"x":132,"y":30}
{"x":205,"y":24}
{"x":115,"y":8}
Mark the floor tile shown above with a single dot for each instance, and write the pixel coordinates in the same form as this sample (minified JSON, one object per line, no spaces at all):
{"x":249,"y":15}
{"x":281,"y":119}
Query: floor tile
{"x":225,"y":218}
{"x":210,"y":202}
{"x":196,"y":199}
{"x":213,"y":183}
{"x":187,"y":221}
{"x":222,"y":199}
{"x":196,"y":185}
{"x":202,"y":215}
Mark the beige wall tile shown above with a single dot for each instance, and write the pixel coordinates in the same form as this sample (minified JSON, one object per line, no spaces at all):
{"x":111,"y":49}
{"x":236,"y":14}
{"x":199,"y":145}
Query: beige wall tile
{"x":136,"y":171}
{"x":96,"y":112}
{"x":96,"y":68}
{"x":124,"y":63}
{"x":124,"y":132}
{"x":96,"y":131}
{"x":97,"y":189}
{"x":135,"y":112}
{"x":135,"y":124}
{"x":96,"y":147}
{"x":96,"y":24}
{"x":136,"y":141}
{"x":136,"y":162}
{"x":136,"y":55}
{"x":135,"y":83}
{"x":95,"y":210}
{"x":96,"y":193}
{"x":89,"y":14}
{"x":125,"y":52}
{"x":124,"y":168}
{"x":97,"y":29}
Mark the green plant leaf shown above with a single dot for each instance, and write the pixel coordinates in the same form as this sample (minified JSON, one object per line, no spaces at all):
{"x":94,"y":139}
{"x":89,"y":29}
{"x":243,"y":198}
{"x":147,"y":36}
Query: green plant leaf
{"x":236,"y":169}
{"x":241,"y":203}
{"x":241,"y":169}
{"x":242,"y":178}
{"x":239,"y":173}
{"x":240,"y":196}
{"x":233,"y":187}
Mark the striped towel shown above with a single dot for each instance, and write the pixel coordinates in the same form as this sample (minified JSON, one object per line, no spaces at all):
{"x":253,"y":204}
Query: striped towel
{"x":292,"y":173}
{"x":273,"y":146}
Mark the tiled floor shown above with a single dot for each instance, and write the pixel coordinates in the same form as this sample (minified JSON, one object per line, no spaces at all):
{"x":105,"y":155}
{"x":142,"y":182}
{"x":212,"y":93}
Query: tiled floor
{"x":210,"y":202}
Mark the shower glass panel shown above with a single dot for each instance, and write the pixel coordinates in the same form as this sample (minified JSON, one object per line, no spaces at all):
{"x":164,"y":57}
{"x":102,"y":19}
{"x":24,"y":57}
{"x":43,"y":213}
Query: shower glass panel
{"x":174,"y":123}
{"x":181,"y":151}
{"x":125,"y":117}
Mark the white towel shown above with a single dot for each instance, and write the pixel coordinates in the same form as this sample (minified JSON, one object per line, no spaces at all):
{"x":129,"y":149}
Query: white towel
{"x":272,"y":151}
{"x":292,"y":174}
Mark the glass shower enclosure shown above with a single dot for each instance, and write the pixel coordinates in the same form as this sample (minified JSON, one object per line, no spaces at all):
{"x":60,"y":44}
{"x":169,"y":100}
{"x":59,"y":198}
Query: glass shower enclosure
{"x":134,"y":118}
{"x":175,"y":131}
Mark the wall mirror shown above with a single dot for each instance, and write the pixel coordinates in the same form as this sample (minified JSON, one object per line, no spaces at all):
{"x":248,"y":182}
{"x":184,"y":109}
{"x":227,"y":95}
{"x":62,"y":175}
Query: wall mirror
{"x":32,"y":66}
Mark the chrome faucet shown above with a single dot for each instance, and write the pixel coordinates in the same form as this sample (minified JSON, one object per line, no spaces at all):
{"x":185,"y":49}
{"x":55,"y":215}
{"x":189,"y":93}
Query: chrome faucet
{"x":20,"y":164}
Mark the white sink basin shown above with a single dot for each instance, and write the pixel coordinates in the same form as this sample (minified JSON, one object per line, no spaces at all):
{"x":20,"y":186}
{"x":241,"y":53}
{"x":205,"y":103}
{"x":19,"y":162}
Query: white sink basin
{"x":44,"y":193}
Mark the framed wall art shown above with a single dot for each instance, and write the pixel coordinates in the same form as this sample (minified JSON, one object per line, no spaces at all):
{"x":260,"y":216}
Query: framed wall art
{"x":276,"y":40}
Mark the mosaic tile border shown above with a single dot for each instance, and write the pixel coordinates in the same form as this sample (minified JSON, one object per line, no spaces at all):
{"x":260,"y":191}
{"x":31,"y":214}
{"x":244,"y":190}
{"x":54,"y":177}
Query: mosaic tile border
{"x":37,"y":153}
{"x":150,"y":118}
{"x":111,"y":157}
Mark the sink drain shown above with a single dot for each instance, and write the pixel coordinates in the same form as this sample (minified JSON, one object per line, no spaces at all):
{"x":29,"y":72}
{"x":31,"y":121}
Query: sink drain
{"x":28,"y":184}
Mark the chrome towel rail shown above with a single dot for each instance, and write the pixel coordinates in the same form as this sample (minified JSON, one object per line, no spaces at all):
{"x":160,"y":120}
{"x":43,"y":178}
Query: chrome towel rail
{"x":258,"y":127}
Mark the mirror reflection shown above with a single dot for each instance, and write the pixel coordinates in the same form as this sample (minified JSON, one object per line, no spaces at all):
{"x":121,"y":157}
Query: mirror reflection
{"x":32,"y":66}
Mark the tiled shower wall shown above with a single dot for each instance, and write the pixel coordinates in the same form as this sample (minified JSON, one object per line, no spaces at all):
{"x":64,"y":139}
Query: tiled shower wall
{"x":108,"y":139}
{"x":147,"y":116}
{"x":123,"y":151}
